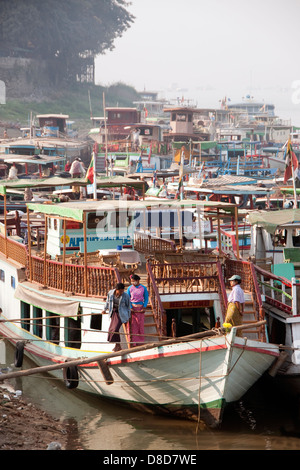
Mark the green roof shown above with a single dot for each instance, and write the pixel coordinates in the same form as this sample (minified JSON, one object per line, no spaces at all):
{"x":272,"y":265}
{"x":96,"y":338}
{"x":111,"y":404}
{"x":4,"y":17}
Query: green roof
{"x":75,"y":210}
{"x":103,"y":182}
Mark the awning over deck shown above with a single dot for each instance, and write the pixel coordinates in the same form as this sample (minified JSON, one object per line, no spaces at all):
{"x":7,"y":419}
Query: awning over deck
{"x":50,"y":303}
{"x":270,"y":220}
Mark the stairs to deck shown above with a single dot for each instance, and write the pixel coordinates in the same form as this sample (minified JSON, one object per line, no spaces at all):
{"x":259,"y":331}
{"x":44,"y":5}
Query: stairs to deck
{"x":250,"y":316}
{"x":151,"y":333}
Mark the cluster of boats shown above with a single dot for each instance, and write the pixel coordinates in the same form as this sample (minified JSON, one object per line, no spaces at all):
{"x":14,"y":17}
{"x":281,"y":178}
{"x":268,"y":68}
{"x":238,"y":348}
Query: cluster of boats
{"x":183,"y":211}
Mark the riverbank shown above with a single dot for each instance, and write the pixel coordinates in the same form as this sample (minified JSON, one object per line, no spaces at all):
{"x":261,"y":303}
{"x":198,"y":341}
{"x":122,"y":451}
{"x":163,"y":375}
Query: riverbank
{"x":23,"y":426}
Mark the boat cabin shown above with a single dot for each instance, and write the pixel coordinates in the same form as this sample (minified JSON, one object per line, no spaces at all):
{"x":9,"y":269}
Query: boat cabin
{"x":111,"y":224}
{"x":276,"y":235}
{"x":51,"y":125}
{"x":182,"y":125}
{"x":117,"y":120}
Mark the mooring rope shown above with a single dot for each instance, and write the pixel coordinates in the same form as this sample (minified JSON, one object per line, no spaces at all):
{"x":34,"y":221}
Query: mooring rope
{"x":199,"y":389}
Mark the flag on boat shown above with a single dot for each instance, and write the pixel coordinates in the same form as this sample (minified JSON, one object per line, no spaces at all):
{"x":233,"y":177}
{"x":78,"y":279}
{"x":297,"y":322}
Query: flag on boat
{"x":150,"y":153}
{"x":90,"y":172}
{"x":291,"y":162}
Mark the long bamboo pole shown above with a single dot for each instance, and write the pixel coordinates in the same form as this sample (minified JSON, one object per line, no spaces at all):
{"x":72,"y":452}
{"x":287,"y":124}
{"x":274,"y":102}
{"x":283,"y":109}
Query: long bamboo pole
{"x":219,"y":233}
{"x":5,"y":224}
{"x":237,"y":232}
{"x":105,"y":128}
{"x":78,"y":362}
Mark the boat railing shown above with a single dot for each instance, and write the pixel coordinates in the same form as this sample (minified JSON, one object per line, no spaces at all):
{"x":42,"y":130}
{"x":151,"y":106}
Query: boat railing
{"x":228,"y":242}
{"x":257,"y":300}
{"x":222,"y":289}
{"x":14,"y":250}
{"x":77,"y":279}
{"x":188,"y":277}
{"x":147,"y":243}
{"x":185,"y":278}
{"x":243,"y":269}
{"x":159,"y":312}
{"x":250,"y":284}
{"x":278,"y":291}
{"x":93,"y":281}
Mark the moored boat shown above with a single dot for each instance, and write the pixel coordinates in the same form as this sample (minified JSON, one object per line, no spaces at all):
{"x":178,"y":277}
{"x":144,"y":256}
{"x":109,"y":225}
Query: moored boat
{"x":52,"y":310}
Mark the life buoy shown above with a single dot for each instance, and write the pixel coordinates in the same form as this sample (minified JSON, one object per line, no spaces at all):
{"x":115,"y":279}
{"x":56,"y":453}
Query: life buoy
{"x":19,"y":354}
{"x":71,"y":377}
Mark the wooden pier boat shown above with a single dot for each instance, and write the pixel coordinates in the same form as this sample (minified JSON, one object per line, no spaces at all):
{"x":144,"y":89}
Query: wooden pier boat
{"x":52,"y":311}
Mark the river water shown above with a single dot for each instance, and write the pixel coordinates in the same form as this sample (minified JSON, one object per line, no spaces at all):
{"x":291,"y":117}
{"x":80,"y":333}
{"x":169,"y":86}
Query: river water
{"x":265,"y":419}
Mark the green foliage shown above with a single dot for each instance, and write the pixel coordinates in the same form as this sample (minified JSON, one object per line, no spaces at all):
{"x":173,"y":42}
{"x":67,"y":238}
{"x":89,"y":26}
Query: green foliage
{"x":74,"y":101}
{"x":63,"y":33}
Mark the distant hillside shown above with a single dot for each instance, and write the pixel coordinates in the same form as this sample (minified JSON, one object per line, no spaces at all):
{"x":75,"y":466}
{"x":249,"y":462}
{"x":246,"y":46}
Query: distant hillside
{"x":74,"y":102}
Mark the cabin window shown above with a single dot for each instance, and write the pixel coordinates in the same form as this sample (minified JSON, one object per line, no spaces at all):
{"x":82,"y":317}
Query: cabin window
{"x":120,"y":219}
{"x":13,"y":282}
{"x":96,"y":321}
{"x":37,"y":322}
{"x":280,"y":237}
{"x":49,"y":222}
{"x":73,"y":225}
{"x":52,"y":327}
{"x":96,"y":220}
{"x":25,"y":316}
{"x":2,"y":275}
{"x":55,"y":224}
{"x":72,"y":333}
{"x":296,"y":237}
{"x":181,"y":117}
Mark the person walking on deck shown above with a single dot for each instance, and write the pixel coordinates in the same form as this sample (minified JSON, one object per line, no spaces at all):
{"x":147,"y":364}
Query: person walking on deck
{"x":118,"y":306}
{"x":138,"y":294}
{"x":77,"y":170}
{"x":236,"y":301}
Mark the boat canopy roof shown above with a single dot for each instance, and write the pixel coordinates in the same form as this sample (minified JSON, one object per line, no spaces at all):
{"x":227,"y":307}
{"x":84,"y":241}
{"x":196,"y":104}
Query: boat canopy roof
{"x":56,"y":181}
{"x":36,"y":159}
{"x":75,"y":210}
{"x":234,"y":190}
{"x":270,"y":220}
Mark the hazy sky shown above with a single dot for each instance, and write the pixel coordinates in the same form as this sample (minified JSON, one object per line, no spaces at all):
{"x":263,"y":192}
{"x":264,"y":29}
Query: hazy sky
{"x":206,"y":50}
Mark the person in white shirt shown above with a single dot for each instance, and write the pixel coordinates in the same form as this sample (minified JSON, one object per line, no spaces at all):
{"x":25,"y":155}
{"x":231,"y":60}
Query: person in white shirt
{"x":77,"y":170}
{"x":236,"y":301}
{"x":13,"y":172}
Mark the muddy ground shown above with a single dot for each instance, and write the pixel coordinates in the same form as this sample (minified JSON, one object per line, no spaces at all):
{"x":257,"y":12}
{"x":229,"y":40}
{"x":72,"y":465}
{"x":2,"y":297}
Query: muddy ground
{"x":23,"y":426}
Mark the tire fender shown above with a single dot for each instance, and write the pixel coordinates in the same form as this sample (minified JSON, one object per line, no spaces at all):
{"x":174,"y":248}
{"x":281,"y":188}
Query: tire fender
{"x":71,"y":377}
{"x":19,"y":354}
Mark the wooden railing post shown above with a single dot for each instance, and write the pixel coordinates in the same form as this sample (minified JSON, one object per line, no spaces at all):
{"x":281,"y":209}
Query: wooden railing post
{"x":29,"y":245}
{"x":45,"y":250}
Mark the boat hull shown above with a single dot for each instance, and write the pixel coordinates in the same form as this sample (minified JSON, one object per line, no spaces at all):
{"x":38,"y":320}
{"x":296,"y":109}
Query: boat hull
{"x":192,"y":379}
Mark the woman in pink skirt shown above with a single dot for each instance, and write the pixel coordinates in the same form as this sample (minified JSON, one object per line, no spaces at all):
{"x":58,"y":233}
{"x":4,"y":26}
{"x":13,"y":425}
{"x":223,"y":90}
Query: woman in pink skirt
{"x":138,"y":301}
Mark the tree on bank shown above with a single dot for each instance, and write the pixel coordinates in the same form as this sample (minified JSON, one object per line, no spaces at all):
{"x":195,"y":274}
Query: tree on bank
{"x":66,"y":35}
